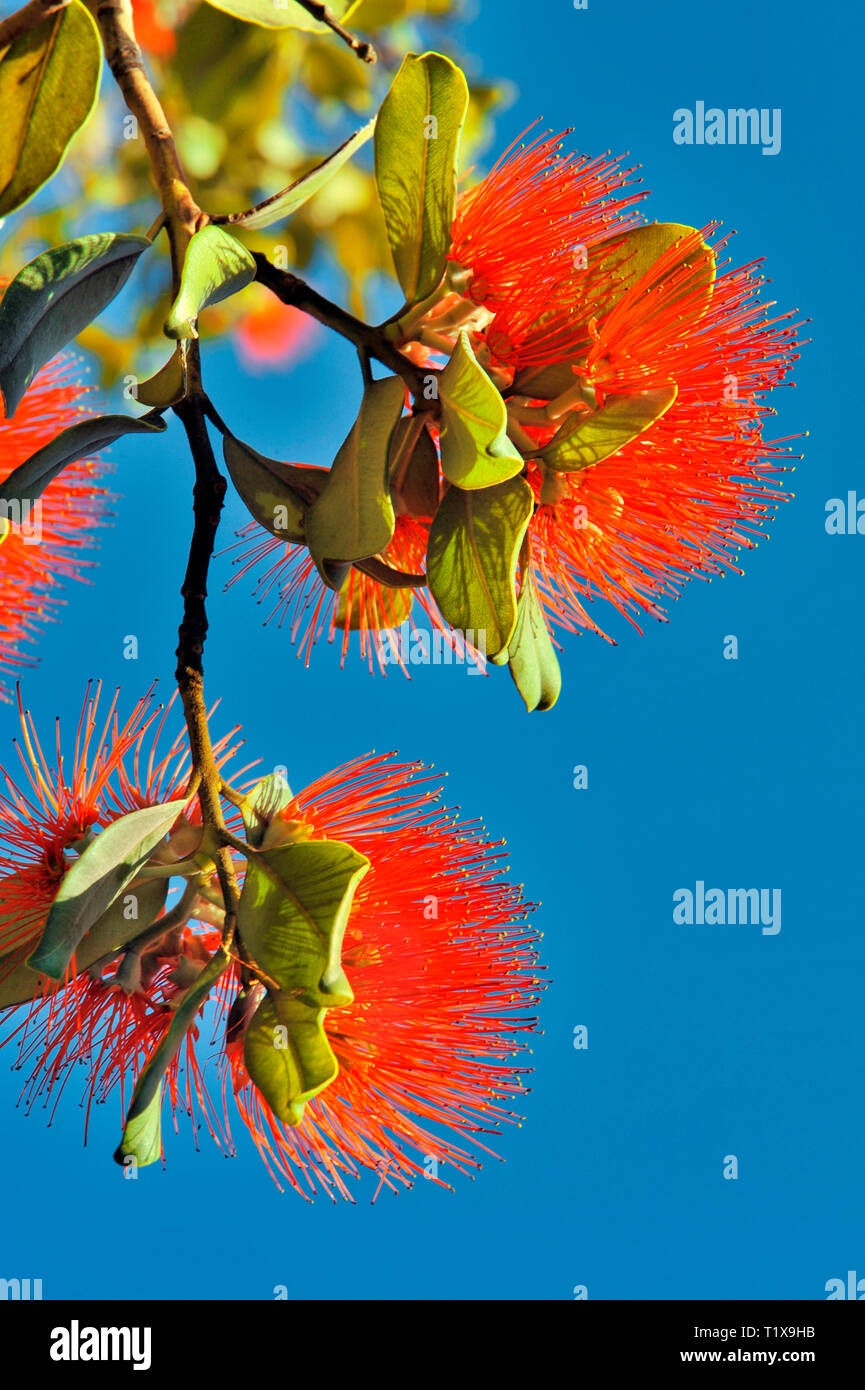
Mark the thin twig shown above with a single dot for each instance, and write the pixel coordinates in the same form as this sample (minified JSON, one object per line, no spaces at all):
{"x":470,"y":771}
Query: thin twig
{"x":364,"y":50}
{"x":296,"y":292}
{"x":27,"y":18}
{"x":208,"y":495}
{"x":183,"y":216}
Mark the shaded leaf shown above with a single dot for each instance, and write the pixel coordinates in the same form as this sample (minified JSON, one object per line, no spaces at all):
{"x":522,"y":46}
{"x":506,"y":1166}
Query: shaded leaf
{"x":167,"y":386}
{"x":475,"y":449}
{"x":49,"y":81}
{"x":216,"y":266}
{"x":587,"y":439}
{"x":414,"y":469}
{"x":354,"y":517}
{"x":417,"y":138}
{"x":277,"y":494}
{"x":474,"y":543}
{"x":113,"y":930}
{"x":142,"y":1133}
{"x":96,"y":879}
{"x":30,"y":479}
{"x":53,"y":298}
{"x":281,"y":205}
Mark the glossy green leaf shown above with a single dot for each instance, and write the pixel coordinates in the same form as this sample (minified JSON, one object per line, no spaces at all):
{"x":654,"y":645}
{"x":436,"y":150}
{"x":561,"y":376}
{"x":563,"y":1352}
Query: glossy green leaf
{"x":53,"y":298}
{"x":123,"y":920}
{"x":354,"y":515}
{"x":531,"y":655}
{"x":294,"y":908}
{"x":109,"y":863}
{"x":475,"y":449}
{"x":287,"y":1055}
{"x":417,"y":137}
{"x":277,"y":494}
{"x":474,"y":544}
{"x":216,"y":267}
{"x":270,"y":796}
{"x":278,"y":14}
{"x":142,"y":1133}
{"x":414,"y":469}
{"x":281,"y":205}
{"x":30,"y":479}
{"x":49,"y":81}
{"x":587,"y":439}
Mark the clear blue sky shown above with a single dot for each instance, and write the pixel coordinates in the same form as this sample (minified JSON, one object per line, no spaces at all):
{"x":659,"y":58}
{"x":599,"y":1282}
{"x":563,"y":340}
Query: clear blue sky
{"x":703,"y":1041}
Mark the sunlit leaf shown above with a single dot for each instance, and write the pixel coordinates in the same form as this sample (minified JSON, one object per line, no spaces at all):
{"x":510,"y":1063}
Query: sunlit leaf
{"x":167,"y":386}
{"x":216,"y":266}
{"x":277,"y":494}
{"x":475,"y":449}
{"x":53,"y":298}
{"x":287,"y":1054}
{"x":278,"y":14}
{"x":281,"y":205}
{"x":417,"y":138}
{"x":621,"y":260}
{"x":586,"y":439}
{"x":474,"y":544}
{"x":99,"y":875}
{"x":49,"y":81}
{"x":392,"y":607}
{"x":354,"y":515}
{"x":267,"y":798}
{"x":142,"y":1138}
{"x":30,"y":479}
{"x":531,"y":655}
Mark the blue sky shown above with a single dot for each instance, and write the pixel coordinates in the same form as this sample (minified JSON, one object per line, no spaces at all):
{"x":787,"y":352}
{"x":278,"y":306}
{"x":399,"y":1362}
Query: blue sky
{"x":704,"y":1041}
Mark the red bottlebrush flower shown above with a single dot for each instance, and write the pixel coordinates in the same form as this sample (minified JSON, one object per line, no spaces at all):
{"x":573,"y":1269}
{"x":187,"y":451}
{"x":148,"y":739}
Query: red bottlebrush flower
{"x":272,"y":334}
{"x":36,"y":556}
{"x":366,"y":606}
{"x":681,"y":499}
{"x":443,"y":970}
{"x":521,"y":233}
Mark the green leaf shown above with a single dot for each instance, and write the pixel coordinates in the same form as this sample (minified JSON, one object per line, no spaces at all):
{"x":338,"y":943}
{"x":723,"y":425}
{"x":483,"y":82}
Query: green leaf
{"x":141,"y":1136}
{"x":623,"y":259}
{"x":167,"y":386}
{"x":277,"y":494}
{"x":96,"y":879}
{"x":531,"y":655}
{"x":216,"y":266}
{"x":113,"y":930}
{"x":294,"y":909}
{"x":417,"y":137}
{"x":288,"y":1056}
{"x":293,"y":912}
{"x":414,"y":469}
{"x":49,"y":81}
{"x":53,"y":298}
{"x":270,"y":796}
{"x":354,"y":517}
{"x":278,"y":14}
{"x":474,"y":543}
{"x":587,"y":439}
{"x":281,"y":205}
{"x":30,"y":479}
{"x":475,"y":448}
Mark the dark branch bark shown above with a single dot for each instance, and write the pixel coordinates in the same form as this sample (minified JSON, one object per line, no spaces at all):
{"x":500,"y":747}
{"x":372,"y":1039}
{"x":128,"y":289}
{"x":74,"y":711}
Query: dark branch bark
{"x":365,"y":51}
